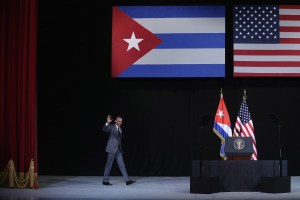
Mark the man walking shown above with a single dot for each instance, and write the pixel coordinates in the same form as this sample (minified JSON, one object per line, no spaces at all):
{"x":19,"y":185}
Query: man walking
{"x":114,"y":149}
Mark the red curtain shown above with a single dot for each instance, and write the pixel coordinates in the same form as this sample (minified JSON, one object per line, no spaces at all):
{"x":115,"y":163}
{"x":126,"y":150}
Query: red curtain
{"x":18,"y":58}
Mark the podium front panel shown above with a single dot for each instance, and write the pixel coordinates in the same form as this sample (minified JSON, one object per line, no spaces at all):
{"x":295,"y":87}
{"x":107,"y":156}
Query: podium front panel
{"x":238,"y":146}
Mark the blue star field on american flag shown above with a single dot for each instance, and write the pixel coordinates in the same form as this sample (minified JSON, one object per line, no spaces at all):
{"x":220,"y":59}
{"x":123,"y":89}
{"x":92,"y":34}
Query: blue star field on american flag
{"x":256,"y":24}
{"x":244,"y":113}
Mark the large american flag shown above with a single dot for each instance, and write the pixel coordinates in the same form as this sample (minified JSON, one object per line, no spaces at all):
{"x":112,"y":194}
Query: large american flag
{"x":266,"y":40}
{"x":244,"y":126}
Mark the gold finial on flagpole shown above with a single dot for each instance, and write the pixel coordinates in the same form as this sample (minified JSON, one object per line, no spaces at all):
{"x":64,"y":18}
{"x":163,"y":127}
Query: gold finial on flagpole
{"x":245,"y":95}
{"x":221,"y":93}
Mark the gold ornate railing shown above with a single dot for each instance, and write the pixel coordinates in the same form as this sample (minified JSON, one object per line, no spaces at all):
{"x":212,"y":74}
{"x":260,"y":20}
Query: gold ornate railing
{"x":23,"y":180}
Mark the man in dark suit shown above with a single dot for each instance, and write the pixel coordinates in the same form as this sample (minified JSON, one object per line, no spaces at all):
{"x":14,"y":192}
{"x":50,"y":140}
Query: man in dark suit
{"x":114,"y":149}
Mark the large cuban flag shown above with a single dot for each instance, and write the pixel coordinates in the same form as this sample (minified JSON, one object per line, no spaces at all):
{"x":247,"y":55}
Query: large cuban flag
{"x":168,"y":41}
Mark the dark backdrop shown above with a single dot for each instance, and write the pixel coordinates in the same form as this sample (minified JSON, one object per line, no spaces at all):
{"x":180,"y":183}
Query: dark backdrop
{"x":162,"y":117}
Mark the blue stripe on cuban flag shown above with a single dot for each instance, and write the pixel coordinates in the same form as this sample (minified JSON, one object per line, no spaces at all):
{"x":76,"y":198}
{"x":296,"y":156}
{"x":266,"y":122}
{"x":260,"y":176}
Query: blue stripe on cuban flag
{"x":193,"y":41}
{"x":223,"y":130}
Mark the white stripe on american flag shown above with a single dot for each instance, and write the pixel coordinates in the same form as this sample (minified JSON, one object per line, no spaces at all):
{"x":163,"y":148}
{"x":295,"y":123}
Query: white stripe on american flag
{"x":266,"y":70}
{"x":273,"y":59}
{"x":286,"y":11}
{"x":267,"y":46}
{"x":266,"y":58}
{"x":284,"y":23}
{"x":289,"y":35}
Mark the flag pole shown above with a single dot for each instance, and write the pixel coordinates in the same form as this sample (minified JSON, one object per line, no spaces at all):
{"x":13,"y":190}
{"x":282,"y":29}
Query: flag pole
{"x":280,"y":149}
{"x":275,"y":119}
{"x":221,"y":95}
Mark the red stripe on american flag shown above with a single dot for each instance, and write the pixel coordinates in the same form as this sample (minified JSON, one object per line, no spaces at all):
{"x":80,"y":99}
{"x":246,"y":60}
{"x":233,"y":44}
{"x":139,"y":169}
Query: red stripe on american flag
{"x":267,"y":52}
{"x":289,"y":17}
{"x":267,"y":64}
{"x":289,"y":29}
{"x":289,"y":6}
{"x":290,"y":40}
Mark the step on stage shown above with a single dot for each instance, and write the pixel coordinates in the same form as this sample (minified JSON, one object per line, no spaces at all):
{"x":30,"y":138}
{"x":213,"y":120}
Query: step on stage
{"x":148,"y":188}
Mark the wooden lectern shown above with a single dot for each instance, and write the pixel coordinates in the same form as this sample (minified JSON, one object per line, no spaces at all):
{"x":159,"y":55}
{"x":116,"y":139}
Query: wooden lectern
{"x":238,"y":148}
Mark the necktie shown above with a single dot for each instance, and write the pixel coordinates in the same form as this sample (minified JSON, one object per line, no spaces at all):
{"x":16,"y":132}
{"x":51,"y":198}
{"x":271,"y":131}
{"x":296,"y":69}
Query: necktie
{"x":119,"y":133}
{"x":119,"y":138}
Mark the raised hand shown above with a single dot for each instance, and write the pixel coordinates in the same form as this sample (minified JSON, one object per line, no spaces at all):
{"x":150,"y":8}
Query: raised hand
{"x":108,"y":119}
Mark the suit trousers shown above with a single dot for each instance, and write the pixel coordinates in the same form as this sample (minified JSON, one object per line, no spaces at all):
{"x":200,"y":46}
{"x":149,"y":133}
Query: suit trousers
{"x":110,"y":159}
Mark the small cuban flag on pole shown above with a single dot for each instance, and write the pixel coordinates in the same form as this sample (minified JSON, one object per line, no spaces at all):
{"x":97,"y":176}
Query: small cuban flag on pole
{"x":222,"y":125}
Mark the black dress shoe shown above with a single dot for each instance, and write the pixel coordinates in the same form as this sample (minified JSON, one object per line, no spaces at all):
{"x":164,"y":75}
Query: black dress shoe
{"x":129,"y":182}
{"x":106,"y":183}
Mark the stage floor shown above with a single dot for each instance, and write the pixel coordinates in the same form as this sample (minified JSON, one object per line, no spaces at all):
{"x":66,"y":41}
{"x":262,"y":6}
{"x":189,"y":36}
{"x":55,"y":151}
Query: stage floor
{"x":145,"y":188}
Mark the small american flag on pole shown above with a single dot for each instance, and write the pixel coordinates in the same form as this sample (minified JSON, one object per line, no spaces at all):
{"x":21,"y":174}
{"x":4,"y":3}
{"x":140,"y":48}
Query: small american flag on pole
{"x":266,"y":40}
{"x":244,"y":125}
